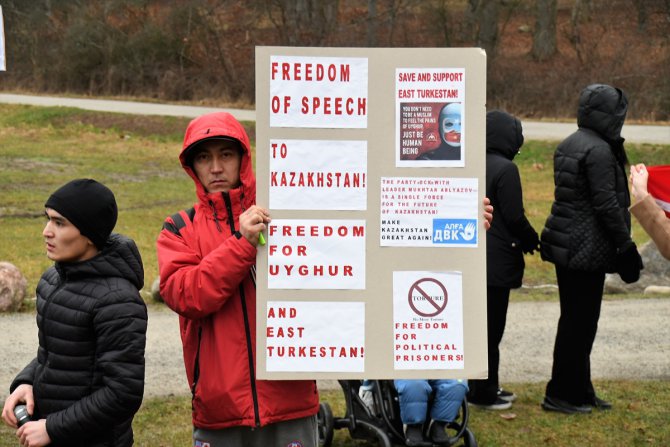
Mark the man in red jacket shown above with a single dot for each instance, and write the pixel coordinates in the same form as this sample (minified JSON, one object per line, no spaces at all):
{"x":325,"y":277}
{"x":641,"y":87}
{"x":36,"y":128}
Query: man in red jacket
{"x":206,"y":258}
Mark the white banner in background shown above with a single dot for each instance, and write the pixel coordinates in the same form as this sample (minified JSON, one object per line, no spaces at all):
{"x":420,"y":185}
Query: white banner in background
{"x":3,"y":65}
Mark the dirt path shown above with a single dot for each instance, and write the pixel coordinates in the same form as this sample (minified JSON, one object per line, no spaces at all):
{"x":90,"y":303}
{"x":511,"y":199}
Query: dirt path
{"x":633,"y":342}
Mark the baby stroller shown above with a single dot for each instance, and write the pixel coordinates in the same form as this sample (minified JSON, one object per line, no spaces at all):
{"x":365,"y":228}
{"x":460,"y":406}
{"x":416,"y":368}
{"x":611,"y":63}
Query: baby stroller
{"x":380,"y":420}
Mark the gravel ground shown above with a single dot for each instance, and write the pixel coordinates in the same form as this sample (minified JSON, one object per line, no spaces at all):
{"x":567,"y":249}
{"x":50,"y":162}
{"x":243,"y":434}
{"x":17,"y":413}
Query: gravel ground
{"x":633,"y":342}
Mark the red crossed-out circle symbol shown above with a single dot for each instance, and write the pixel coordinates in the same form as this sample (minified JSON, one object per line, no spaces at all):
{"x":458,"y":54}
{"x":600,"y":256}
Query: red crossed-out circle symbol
{"x":427,"y":291}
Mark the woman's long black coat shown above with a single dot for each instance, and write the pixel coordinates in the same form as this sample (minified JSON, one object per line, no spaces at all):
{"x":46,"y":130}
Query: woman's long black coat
{"x":511,"y":233}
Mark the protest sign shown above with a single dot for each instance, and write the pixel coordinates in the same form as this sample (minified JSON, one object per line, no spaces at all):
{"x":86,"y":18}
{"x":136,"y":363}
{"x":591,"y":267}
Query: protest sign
{"x":372,"y":163}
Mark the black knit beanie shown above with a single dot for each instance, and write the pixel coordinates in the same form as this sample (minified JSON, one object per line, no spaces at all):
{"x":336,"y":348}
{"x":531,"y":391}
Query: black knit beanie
{"x":89,"y":205}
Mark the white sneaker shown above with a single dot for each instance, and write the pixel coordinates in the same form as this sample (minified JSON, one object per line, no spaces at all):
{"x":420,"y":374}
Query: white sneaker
{"x":506,"y":395}
{"x":499,"y":404}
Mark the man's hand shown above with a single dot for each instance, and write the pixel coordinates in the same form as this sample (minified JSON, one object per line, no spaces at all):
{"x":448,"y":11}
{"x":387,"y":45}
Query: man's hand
{"x":23,"y":394}
{"x":34,"y":434}
{"x":252,"y":222}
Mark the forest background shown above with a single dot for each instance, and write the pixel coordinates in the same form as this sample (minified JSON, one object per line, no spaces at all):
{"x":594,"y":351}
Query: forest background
{"x":540,"y":52}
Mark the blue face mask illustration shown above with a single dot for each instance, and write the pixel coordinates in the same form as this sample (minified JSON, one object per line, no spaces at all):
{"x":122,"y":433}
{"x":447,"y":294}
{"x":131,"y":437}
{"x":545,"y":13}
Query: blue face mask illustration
{"x":450,"y":124}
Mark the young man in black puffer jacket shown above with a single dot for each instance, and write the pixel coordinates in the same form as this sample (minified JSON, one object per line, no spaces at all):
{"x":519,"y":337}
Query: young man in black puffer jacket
{"x":87,"y":381}
{"x":586,"y":236}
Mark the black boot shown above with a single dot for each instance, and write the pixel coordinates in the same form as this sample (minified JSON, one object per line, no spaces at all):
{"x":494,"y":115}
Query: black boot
{"x":414,"y":436}
{"x":438,"y":433}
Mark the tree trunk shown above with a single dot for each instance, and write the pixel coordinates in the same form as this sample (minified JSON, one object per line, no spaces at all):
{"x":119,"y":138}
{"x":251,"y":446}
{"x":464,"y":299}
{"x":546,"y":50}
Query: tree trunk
{"x":642,"y":14}
{"x":372,"y":23}
{"x":580,"y":9}
{"x":544,"y":39}
{"x":487,"y":37}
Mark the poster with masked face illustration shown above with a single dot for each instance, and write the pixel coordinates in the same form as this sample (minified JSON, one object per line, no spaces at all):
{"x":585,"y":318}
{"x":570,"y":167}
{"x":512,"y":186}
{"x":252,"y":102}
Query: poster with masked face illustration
{"x":430,"y":129}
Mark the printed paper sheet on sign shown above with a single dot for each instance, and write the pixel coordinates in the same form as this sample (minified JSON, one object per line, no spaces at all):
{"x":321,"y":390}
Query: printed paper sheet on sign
{"x":428,"y":320}
{"x":319,"y":92}
{"x":315,"y":336}
{"x":429,"y":212}
{"x":318,"y":175}
{"x":430,"y":110}
{"x":316,"y":254}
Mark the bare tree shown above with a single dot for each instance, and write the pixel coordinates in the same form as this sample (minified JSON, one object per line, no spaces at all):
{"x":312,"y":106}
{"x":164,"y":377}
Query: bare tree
{"x":544,"y":39}
{"x":471,"y":20}
{"x":372,"y":23}
{"x":303,"y":22}
{"x":642,"y":14}
{"x":487,"y":37}
{"x":438,"y":12}
{"x":580,"y":10}
{"x":481,"y":24}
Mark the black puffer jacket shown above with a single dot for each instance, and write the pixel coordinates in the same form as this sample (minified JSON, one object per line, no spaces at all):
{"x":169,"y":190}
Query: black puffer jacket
{"x":510,"y":231}
{"x":589,"y":221}
{"x":88,"y":377}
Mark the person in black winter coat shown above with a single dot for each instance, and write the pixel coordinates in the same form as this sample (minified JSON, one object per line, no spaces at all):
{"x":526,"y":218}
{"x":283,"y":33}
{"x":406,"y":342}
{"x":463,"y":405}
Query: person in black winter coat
{"x":509,"y":237}
{"x":587,"y":235}
{"x":87,"y":381}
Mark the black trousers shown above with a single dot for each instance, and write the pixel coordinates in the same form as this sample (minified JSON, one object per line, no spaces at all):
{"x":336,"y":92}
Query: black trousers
{"x":497,"y":300}
{"x":581,"y":295}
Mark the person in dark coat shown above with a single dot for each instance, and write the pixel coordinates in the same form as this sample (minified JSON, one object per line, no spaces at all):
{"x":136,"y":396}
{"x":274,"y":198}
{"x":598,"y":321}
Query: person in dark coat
{"x":87,"y":381}
{"x":587,"y":235}
{"x":509,"y":237}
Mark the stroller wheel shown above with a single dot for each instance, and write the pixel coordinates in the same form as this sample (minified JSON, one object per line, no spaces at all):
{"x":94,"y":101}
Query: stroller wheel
{"x":325,"y":424}
{"x":469,"y":438}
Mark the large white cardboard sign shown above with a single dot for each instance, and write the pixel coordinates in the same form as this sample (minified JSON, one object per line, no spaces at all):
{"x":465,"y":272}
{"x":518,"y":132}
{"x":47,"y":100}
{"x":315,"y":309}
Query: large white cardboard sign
{"x":372,"y":164}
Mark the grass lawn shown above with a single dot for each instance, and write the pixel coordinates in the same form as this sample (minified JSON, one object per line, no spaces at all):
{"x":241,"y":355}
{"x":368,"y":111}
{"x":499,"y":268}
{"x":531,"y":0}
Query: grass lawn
{"x":136,"y":157}
{"x":639,"y":418}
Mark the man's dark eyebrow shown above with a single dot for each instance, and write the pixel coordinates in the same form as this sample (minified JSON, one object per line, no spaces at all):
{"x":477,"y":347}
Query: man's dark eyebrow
{"x":55,"y":218}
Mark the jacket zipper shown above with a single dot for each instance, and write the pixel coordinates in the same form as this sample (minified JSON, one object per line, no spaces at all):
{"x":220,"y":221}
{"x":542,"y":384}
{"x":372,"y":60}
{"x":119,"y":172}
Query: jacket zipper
{"x":196,"y":368}
{"x":216,"y":218}
{"x":247,"y":329}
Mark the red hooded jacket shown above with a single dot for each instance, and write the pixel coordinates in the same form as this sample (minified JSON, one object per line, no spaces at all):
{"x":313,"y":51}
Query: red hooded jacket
{"x":208,"y":276}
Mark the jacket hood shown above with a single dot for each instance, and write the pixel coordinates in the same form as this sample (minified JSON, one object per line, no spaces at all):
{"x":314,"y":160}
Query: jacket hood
{"x":219,"y":125}
{"x":504,"y":134}
{"x":119,"y":258}
{"x":603,"y":108}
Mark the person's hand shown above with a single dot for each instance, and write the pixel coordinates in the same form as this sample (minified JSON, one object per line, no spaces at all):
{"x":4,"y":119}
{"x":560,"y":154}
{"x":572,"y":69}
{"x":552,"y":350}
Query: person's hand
{"x":252,"y":222}
{"x":531,"y":244}
{"x":23,"y":394}
{"x":639,"y":176}
{"x":488,"y":213}
{"x":34,"y":434}
{"x":629,"y":263}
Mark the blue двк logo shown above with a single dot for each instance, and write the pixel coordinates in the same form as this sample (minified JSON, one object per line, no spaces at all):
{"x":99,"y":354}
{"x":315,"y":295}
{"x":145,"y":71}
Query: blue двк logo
{"x":455,"y":231}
